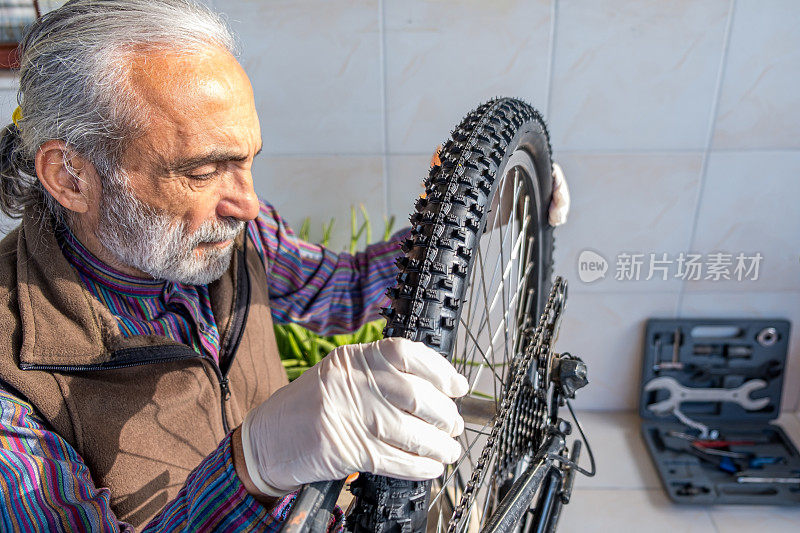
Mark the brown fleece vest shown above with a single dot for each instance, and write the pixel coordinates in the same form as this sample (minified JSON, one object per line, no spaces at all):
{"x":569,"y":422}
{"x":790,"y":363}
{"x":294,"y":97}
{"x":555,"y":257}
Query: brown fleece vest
{"x":141,"y":411}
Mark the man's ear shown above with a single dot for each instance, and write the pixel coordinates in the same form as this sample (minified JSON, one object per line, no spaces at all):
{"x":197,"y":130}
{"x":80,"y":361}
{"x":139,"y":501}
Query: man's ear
{"x":67,"y":176}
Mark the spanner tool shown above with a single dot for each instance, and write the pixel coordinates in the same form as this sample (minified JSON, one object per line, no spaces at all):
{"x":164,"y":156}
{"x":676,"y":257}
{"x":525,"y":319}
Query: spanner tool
{"x":679,"y":394}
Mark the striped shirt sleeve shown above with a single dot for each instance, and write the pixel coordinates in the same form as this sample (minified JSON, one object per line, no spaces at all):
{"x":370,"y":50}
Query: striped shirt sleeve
{"x":323,"y":291}
{"x":50,"y":488}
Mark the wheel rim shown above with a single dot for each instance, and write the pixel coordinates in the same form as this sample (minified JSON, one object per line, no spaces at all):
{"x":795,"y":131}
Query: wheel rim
{"x":501,"y":301}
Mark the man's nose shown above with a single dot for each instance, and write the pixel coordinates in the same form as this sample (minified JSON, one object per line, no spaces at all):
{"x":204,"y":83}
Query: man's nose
{"x":239,"y":199}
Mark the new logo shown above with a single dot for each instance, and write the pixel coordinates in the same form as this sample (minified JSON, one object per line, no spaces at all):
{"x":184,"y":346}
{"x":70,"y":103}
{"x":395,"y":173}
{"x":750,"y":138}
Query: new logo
{"x":591,"y":266}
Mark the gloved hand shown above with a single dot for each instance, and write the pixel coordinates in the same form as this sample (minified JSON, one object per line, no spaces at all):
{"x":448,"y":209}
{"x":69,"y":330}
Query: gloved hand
{"x":559,"y":203}
{"x":383,"y":407}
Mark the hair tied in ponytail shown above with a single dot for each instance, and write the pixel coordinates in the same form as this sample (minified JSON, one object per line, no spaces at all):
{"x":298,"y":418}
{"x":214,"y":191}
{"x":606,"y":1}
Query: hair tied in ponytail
{"x":9,"y":143}
{"x":13,"y":161}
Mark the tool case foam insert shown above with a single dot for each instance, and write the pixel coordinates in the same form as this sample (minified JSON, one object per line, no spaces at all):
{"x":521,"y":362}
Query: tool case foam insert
{"x":719,"y":354}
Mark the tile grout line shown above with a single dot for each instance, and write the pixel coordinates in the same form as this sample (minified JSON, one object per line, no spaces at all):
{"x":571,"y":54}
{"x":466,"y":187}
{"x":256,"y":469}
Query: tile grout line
{"x":713,"y":522}
{"x":598,"y":152}
{"x":646,"y":293}
{"x":551,"y":58}
{"x":654,"y":488}
{"x":631,"y":151}
{"x":577,"y":289}
{"x":384,"y":110}
{"x":712,"y":120}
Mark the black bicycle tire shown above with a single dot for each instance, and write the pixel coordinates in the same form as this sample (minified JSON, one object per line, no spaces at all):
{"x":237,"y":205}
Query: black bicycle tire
{"x":426,"y":302}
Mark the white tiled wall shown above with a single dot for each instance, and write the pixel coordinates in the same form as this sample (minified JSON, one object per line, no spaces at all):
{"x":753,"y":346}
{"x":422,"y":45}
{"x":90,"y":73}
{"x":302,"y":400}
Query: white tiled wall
{"x":677,"y":123}
{"x":316,"y":68}
{"x":442,"y":58}
{"x":635,"y":75}
{"x":759,"y":104}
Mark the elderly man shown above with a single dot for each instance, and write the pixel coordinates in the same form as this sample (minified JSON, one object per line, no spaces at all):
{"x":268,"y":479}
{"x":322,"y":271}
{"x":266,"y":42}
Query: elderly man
{"x":140,"y":383}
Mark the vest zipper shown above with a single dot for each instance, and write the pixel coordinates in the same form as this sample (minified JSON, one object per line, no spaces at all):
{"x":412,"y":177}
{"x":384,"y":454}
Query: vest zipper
{"x":227,"y":353}
{"x":226,"y":391}
{"x":225,"y":394}
{"x":172,"y":353}
{"x":110,"y":366}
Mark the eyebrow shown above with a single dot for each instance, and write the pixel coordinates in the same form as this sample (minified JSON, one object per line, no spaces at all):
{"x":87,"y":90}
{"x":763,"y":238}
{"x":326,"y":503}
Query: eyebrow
{"x":215,"y":156}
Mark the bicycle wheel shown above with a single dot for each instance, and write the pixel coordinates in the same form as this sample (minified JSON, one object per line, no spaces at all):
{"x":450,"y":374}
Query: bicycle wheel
{"x":472,"y":284}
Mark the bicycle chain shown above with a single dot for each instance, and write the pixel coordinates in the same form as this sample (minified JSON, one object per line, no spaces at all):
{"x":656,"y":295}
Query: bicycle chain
{"x":540,"y":350}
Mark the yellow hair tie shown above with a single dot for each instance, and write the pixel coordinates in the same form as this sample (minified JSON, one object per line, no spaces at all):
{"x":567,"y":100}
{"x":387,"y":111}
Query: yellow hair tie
{"x":16,"y":116}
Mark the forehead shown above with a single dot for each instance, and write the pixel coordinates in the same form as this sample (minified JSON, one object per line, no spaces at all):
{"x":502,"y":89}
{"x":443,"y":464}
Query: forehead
{"x":193,"y":100}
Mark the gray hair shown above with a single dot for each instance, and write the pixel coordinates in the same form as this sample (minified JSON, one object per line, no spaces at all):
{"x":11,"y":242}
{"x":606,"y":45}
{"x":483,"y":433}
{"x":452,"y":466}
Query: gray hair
{"x":74,"y":65}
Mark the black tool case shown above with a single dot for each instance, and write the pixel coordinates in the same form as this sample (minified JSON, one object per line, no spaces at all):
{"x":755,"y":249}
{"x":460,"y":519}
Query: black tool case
{"x":743,"y":464}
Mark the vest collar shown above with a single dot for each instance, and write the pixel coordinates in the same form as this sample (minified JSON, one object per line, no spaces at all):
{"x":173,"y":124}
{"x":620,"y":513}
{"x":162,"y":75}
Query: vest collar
{"x":62,"y":324}
{"x":89,"y":265}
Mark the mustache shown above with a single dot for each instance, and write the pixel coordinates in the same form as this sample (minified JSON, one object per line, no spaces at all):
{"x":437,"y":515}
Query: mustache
{"x":224,"y":229}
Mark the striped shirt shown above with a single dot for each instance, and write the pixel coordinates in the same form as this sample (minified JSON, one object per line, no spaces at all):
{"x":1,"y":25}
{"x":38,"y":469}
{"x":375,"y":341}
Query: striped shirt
{"x":49,"y":484}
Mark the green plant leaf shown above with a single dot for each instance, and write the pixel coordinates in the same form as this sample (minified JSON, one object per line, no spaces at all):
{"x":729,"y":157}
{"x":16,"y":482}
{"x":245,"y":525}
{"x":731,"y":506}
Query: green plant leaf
{"x":366,"y":223}
{"x":295,"y":372}
{"x":353,"y":230}
{"x":305,"y":229}
{"x":294,"y":346}
{"x":326,"y":346}
{"x":326,"y":233}
{"x":280,"y":340}
{"x":388,"y":224}
{"x":313,"y":349}
{"x":342,"y":339}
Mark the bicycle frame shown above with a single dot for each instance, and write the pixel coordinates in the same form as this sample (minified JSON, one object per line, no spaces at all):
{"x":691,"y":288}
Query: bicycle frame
{"x":546,"y":479}
{"x":313,"y":507}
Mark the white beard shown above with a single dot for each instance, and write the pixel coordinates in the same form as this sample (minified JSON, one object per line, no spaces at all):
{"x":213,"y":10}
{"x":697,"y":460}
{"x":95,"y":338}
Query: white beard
{"x":138,"y":235}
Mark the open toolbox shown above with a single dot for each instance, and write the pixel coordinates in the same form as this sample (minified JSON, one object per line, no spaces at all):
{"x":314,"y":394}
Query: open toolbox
{"x":709,"y":393}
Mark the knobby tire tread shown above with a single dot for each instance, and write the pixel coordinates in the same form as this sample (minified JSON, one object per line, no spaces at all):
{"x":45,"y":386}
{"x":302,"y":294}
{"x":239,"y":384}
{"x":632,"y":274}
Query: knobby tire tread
{"x":434,"y":273}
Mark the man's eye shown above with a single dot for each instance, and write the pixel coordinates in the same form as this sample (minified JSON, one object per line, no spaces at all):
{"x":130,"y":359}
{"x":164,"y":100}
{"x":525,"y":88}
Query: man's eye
{"x":204,"y":175}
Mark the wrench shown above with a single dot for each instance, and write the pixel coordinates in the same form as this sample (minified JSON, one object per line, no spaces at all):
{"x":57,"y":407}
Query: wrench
{"x":679,"y":394}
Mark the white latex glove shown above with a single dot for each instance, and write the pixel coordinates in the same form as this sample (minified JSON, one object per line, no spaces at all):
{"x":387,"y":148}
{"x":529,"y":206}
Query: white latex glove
{"x":559,"y":205}
{"x":383,"y":407}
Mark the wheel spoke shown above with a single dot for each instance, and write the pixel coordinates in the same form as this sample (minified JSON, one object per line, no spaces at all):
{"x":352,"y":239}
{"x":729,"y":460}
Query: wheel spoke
{"x":501,"y":188}
{"x":507,"y":270}
{"x":486,"y":310}
{"x":473,"y":336}
{"x":478,"y":348}
{"x":477,"y":431}
{"x":457,"y":465}
{"x":503,"y":282}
